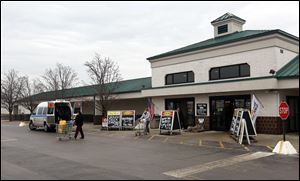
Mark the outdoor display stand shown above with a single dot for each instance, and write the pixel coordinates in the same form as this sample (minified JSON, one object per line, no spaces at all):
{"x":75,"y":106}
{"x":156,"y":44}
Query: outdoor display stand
{"x":169,"y":122}
{"x":128,"y":119}
{"x":119,"y":120}
{"x":242,"y":126}
{"x":113,"y":120}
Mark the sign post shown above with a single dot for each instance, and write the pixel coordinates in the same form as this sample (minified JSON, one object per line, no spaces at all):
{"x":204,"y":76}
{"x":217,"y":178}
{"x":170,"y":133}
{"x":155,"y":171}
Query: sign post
{"x":284,"y":147}
{"x":284,"y":114}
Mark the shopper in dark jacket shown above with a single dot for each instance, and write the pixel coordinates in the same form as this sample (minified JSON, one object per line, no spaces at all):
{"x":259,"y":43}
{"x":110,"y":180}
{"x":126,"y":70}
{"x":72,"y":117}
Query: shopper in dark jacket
{"x":79,"y":123}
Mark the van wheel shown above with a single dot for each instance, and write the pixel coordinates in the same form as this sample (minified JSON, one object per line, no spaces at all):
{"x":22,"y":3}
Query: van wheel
{"x":46,"y":128}
{"x":31,"y":126}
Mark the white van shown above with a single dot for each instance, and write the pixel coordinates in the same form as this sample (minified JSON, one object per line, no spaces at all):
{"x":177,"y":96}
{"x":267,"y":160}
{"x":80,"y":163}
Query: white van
{"x":48,"y":114}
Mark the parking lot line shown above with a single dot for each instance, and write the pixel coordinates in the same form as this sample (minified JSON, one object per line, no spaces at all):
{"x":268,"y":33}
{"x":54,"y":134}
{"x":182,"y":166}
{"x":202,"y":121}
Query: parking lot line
{"x":191,"y":177}
{"x":183,"y":140}
{"x":200,"y":142}
{"x":151,"y":138}
{"x":246,"y":148}
{"x":165,"y":140}
{"x":270,"y":148}
{"x":184,"y":172}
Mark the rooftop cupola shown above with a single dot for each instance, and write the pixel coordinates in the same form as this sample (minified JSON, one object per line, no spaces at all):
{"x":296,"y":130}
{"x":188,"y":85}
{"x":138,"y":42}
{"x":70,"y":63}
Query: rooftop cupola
{"x":226,"y":24}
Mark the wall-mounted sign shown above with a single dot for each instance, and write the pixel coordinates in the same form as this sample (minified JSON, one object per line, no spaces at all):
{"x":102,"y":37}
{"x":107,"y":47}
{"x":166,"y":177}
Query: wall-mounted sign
{"x":202,"y":109}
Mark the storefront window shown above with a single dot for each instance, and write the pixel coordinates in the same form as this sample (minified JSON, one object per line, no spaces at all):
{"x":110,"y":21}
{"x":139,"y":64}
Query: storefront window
{"x":214,"y":74}
{"x":244,"y":70}
{"x":232,"y":71}
{"x":178,"y":78}
{"x":169,"y":79}
{"x":229,"y":72}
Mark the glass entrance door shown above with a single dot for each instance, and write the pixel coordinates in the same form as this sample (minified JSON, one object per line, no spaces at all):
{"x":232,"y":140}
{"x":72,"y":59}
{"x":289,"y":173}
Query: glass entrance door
{"x":222,"y":107}
{"x":293,"y":120}
{"x":186,"y":106}
{"x":218,"y":122}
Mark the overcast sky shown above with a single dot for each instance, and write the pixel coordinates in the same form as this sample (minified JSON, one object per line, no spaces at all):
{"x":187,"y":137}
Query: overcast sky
{"x":37,"y":35}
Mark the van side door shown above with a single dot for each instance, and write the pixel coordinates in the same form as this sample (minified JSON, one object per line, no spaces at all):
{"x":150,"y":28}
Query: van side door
{"x":44,"y":118}
{"x":39,"y":117}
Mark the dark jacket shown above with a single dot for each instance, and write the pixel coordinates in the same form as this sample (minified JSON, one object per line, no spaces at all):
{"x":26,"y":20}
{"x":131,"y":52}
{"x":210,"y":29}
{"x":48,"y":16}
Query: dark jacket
{"x":79,"y":120}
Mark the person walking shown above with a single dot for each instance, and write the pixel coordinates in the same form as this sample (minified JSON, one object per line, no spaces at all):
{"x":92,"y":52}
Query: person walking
{"x":146,"y":117}
{"x":79,"y":124}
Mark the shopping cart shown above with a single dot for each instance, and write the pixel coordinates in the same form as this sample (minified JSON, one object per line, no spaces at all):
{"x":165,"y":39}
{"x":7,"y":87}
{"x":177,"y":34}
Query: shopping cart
{"x":64,"y":130}
{"x":139,"y":128}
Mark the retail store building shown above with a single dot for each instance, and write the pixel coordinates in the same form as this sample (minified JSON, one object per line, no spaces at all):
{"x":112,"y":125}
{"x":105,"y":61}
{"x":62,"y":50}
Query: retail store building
{"x":225,"y":71}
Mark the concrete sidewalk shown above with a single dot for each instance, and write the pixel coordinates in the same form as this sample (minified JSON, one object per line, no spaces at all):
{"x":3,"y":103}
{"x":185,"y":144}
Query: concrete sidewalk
{"x":267,"y":140}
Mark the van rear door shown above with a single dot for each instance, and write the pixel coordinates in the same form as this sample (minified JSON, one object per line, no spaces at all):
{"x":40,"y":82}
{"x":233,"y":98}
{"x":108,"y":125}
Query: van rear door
{"x":62,"y":111}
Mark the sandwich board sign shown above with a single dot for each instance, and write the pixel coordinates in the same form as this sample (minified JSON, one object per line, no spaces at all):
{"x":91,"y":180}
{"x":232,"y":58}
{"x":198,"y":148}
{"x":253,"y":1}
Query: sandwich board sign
{"x":244,"y":129}
{"x":249,"y":123}
{"x":234,"y":120}
{"x":242,"y":125}
{"x":169,"y":121}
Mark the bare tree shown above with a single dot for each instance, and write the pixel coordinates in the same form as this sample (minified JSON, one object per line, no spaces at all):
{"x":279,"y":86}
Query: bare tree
{"x":66,"y":76}
{"x":11,"y":89}
{"x":30,"y":89}
{"x":38,"y":86}
{"x":60,"y":78}
{"x":105,"y":74}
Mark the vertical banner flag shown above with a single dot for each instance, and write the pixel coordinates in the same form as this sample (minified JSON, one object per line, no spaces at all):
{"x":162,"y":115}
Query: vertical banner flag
{"x":150,"y":106}
{"x":255,"y":108}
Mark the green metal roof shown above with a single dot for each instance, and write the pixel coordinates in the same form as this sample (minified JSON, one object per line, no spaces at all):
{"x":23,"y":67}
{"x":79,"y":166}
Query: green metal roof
{"x":227,"y":16}
{"x":290,"y":70}
{"x":217,"y":41}
{"x":126,"y":86}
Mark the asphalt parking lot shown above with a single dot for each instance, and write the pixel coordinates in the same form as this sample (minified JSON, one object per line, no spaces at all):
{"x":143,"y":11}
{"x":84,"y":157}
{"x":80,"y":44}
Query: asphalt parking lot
{"x":112,"y":155}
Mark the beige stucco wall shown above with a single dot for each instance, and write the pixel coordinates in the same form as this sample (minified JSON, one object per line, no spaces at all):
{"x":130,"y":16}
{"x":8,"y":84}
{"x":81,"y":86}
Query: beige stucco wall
{"x":260,"y":61}
{"x":262,"y":54}
{"x":258,"y":84}
{"x":269,"y":100}
{"x":291,"y":92}
{"x":288,"y":83}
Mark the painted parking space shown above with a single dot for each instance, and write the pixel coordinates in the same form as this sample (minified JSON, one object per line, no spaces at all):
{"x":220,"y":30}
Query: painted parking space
{"x":188,"y":172}
{"x":185,"y":140}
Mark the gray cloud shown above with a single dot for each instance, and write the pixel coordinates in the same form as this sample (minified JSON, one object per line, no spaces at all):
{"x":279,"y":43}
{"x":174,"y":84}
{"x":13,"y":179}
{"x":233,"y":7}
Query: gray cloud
{"x":36,"y":35}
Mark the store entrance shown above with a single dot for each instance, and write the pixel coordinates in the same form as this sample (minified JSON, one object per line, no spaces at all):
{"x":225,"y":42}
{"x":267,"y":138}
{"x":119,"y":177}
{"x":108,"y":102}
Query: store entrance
{"x":222,"y":107}
{"x":293,"y":119}
{"x":186,"y":106}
